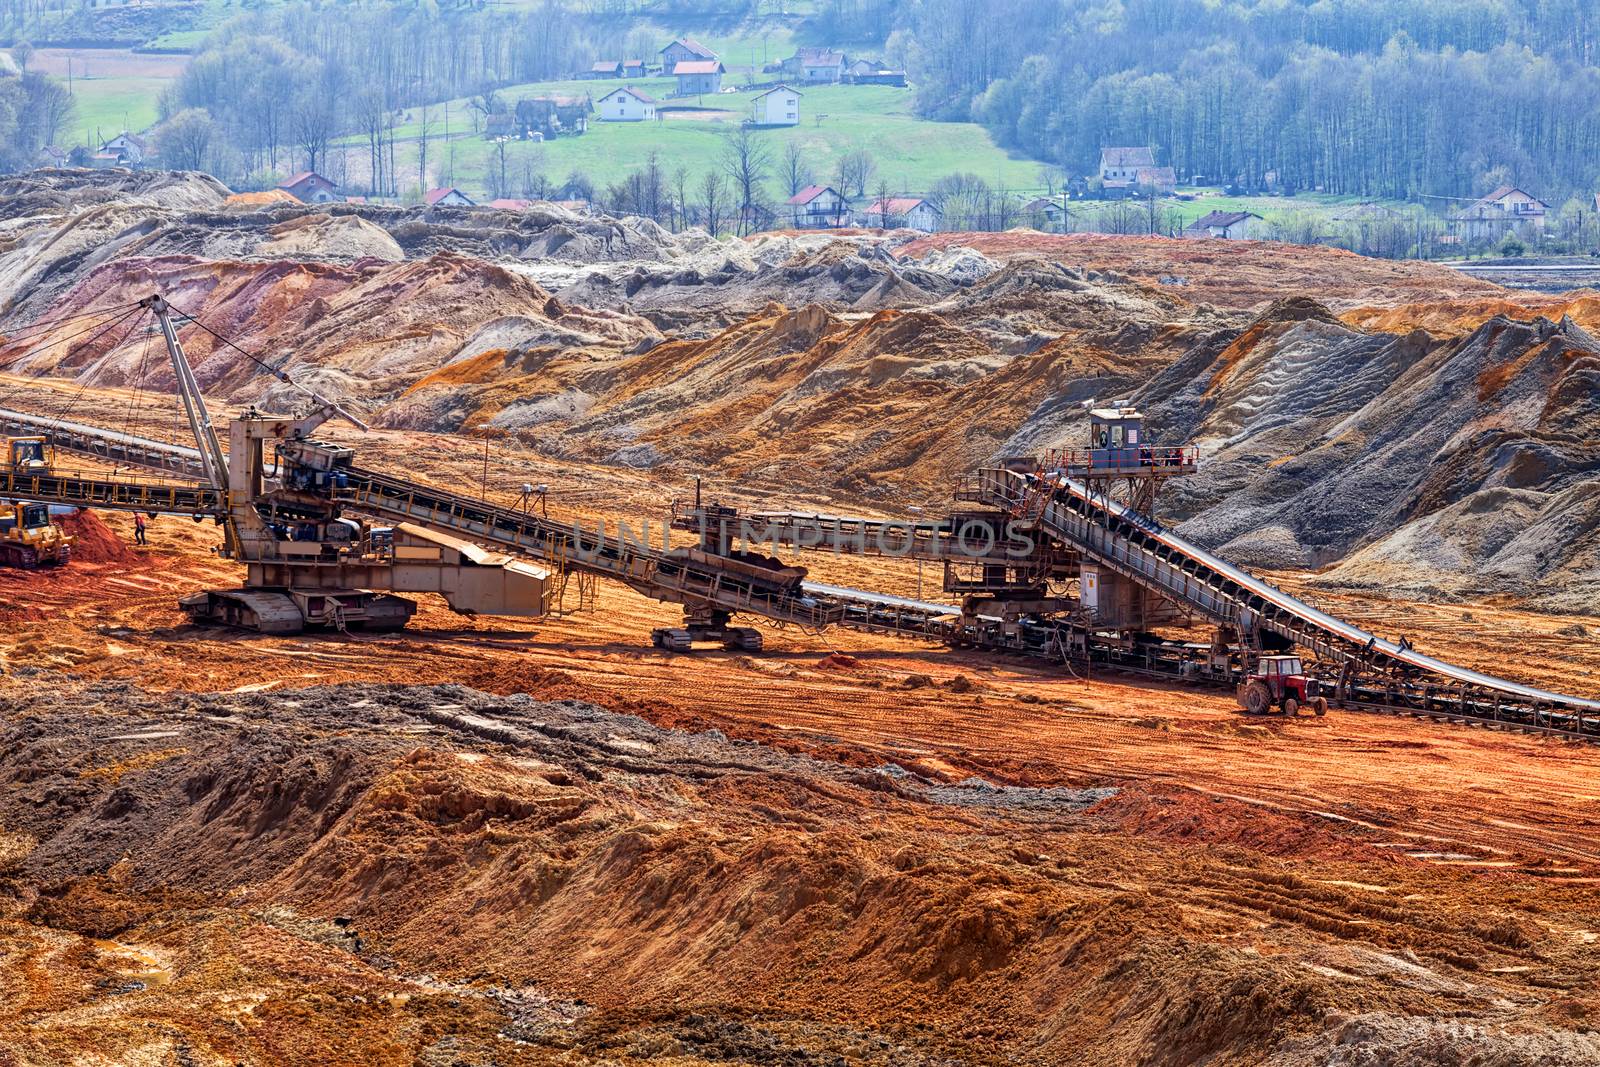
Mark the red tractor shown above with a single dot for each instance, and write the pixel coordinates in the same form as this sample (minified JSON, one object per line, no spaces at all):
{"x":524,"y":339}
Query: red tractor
{"x":1280,"y":681}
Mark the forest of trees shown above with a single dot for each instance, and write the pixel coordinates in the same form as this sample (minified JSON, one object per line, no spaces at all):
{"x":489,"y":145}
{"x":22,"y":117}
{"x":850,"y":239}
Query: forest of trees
{"x":1391,"y":98}
{"x":34,"y":109}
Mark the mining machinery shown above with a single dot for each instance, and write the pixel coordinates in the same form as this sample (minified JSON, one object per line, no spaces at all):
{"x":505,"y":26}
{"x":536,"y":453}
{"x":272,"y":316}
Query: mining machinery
{"x":29,"y":534}
{"x":1058,"y":557}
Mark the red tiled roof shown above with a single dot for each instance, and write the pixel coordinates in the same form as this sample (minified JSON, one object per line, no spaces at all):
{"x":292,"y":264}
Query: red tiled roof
{"x":810,"y":193}
{"x":694,"y":46}
{"x":698,"y":66}
{"x":302,"y":176}
{"x":898,"y":205}
{"x":433,"y":196}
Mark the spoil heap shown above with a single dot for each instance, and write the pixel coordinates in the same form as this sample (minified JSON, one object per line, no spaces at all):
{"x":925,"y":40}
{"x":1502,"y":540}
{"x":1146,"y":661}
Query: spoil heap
{"x":1463,"y":465}
{"x":415,"y":874}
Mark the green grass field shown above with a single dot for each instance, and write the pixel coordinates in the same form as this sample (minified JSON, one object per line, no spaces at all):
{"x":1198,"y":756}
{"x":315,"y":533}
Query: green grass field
{"x":911,"y":153}
{"x":107,"y":106}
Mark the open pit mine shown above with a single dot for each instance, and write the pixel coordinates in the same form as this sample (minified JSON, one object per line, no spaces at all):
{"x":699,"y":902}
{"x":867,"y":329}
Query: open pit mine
{"x":459,"y":636}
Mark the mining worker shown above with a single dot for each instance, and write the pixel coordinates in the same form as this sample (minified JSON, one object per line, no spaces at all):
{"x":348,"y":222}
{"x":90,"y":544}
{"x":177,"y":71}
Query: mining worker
{"x":138,"y":529}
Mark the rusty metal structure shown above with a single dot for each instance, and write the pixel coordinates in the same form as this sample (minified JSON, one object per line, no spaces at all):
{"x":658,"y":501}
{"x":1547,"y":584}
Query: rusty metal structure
{"x":1058,"y":557}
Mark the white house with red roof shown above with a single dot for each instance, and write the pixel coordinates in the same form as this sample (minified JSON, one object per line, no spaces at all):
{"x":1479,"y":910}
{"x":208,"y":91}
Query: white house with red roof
{"x":309,"y":187}
{"x":626,"y":105}
{"x":896,"y":212}
{"x":818,"y":207}
{"x":451,"y":197}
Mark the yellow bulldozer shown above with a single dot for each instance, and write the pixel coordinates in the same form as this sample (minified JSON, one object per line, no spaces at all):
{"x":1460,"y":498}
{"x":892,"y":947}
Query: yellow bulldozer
{"x":28,"y":537}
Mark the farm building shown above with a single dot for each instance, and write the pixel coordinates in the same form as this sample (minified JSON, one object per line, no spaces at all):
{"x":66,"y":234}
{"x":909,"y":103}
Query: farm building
{"x":633,"y":68}
{"x":897,"y":212}
{"x":626,"y":105}
{"x":500,"y":124}
{"x":123,"y":150}
{"x":549,"y":116}
{"x":698,"y":76}
{"x":779,"y":106}
{"x":606,"y":68}
{"x":451,"y":197}
{"x":684,"y":50}
{"x":872,"y":72}
{"x":309,"y":187}
{"x":1228,"y":225}
{"x":1120,"y":167}
{"x":1047,"y":214}
{"x":1507,"y":208}
{"x":818,"y":207}
{"x":815,"y":66}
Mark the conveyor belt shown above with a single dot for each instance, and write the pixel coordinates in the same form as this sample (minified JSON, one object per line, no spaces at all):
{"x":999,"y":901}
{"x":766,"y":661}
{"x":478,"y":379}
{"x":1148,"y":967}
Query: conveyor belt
{"x":1136,"y":546}
{"x":117,"y":449}
{"x":96,"y":492}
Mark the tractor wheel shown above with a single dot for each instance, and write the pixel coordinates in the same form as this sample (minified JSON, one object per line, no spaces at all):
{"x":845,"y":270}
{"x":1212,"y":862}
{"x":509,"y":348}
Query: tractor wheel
{"x":1320,"y":706}
{"x":1255,"y":698}
{"x":1291,"y":706}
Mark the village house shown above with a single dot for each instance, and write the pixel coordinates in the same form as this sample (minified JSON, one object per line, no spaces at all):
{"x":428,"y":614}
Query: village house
{"x":698,"y":76}
{"x":498,"y":125}
{"x":897,"y":212}
{"x":1162,"y":181}
{"x":606,"y":68}
{"x":1228,"y":225}
{"x":818,"y":207}
{"x":51,"y":156}
{"x":123,"y":150}
{"x":1502,"y":211}
{"x":684,"y":50}
{"x":448,"y":198}
{"x":544,"y":117}
{"x":872,"y":72}
{"x":1120,"y":167}
{"x":1047,"y":214}
{"x":816,"y":66}
{"x":779,"y":106}
{"x":626,"y":105}
{"x":309,"y":187}
{"x":633,"y":68}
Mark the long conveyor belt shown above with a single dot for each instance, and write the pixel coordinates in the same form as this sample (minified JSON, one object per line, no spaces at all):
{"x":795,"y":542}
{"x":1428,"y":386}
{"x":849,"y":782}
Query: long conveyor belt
{"x":1141,"y":549}
{"x":1387,"y":674}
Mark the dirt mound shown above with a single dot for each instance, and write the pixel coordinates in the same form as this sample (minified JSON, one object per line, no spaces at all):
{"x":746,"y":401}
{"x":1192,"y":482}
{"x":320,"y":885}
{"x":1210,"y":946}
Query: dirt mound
{"x":94,"y":542}
{"x":1232,"y":274}
{"x":251,"y":201}
{"x":473,"y":866}
{"x":363,"y":332}
{"x":1458,"y":465}
{"x":345,"y":237}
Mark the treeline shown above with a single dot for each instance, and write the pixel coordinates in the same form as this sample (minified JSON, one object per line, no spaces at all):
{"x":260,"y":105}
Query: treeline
{"x":280,"y":85}
{"x":34,"y":109}
{"x":1383,"y":98}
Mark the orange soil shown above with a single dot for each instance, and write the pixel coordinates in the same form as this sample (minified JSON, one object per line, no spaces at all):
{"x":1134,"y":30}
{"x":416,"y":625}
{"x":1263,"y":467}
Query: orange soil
{"x":1319,"y":849}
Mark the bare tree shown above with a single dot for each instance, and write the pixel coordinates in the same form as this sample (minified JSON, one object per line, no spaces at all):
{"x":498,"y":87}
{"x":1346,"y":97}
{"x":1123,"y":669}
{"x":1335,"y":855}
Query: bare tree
{"x":680,"y":193}
{"x":497,"y":178}
{"x":883,"y":204}
{"x":794,"y":170}
{"x":712,"y":201}
{"x":424,"y":128}
{"x":747,"y":161}
{"x":314,"y":122}
{"x":856,"y":168}
{"x":184,"y":140}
